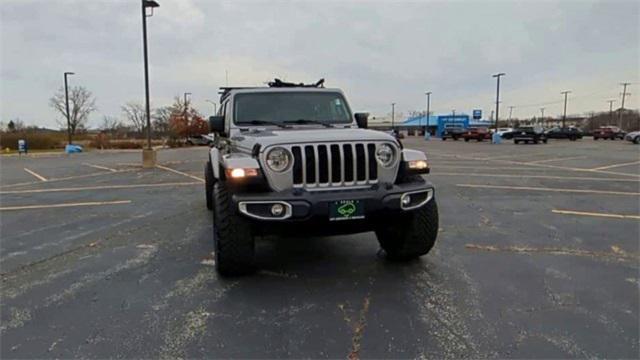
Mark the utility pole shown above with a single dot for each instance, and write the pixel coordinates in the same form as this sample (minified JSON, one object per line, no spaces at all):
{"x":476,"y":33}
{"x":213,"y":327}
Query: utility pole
{"x":393,"y":116}
{"x":66,"y":99}
{"x":564,"y":114}
{"x":542,"y":116}
{"x":611,"y":110}
{"x":148,"y":155}
{"x":497,"y":76}
{"x":510,"y":112}
{"x":428,"y":93}
{"x":624,"y":94}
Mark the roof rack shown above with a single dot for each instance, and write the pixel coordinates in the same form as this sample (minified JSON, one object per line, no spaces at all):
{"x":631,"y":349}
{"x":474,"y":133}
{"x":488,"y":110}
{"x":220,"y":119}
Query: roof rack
{"x":276,"y":83}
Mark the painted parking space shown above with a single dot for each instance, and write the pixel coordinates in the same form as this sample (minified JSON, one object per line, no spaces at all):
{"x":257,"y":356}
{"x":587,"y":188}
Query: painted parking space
{"x":508,"y":276}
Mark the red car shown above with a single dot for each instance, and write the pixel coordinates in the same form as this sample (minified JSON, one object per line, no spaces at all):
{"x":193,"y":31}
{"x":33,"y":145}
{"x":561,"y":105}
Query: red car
{"x":479,"y":134}
{"x":608,"y":132}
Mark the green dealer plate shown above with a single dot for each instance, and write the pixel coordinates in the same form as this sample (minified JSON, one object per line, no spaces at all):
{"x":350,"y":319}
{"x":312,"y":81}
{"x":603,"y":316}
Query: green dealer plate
{"x":346,"y":210}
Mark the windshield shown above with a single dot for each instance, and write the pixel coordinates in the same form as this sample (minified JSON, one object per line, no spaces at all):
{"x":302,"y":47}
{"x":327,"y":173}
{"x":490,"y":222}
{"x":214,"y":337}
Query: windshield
{"x":291,"y":107}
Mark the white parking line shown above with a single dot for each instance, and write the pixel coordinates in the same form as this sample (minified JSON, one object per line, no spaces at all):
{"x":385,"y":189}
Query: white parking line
{"x":40,"y":177}
{"x":179,"y":172}
{"x":605,"y":215}
{"x":105,"y":187}
{"x":99,"y":167}
{"x":534,"y":177}
{"x":555,"y":159}
{"x":615,"y":166}
{"x":48,"y":206}
{"x":527,"y":188}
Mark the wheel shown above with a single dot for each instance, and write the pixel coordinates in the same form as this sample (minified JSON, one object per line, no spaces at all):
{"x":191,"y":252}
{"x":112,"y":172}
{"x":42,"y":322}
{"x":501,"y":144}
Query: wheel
{"x":233,"y":240}
{"x":466,"y":139}
{"x":544,"y":141}
{"x":595,"y":138}
{"x":444,"y":139}
{"x":636,"y":140}
{"x":208,"y":184}
{"x":535,"y":142}
{"x":413,"y":235}
{"x":516,"y":141}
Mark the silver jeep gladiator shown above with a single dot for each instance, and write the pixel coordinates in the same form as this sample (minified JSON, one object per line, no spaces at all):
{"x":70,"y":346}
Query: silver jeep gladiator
{"x":293,"y":159}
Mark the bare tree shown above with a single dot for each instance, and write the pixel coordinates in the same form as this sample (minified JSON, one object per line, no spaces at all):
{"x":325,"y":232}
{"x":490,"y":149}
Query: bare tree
{"x":111,"y":124}
{"x":81,"y":105}
{"x":136,"y":115}
{"x":161,"y":117}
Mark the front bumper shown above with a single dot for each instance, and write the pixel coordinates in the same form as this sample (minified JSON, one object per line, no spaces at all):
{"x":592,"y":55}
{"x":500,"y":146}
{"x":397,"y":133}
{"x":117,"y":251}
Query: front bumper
{"x":301,"y":206}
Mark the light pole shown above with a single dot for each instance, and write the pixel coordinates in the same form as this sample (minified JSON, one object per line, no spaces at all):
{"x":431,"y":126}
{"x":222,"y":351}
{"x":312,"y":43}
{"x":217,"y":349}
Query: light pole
{"x":215,"y":106}
{"x":428,"y":93}
{"x":497,"y":76}
{"x":393,"y":116}
{"x":564,"y":113}
{"x":148,"y":155}
{"x":66,"y":100}
{"x":186,"y":104}
{"x":611,"y":110}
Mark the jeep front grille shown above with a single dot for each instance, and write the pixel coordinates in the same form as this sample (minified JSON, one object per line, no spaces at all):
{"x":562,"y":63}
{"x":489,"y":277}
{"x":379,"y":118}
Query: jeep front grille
{"x":330,"y":165}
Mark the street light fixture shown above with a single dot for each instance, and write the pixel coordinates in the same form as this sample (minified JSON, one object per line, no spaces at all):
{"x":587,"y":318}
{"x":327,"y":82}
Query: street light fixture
{"x":428,"y":93}
{"x":66,"y":99}
{"x":393,"y":116}
{"x":497,"y":76}
{"x":564,"y":113}
{"x":148,"y":155}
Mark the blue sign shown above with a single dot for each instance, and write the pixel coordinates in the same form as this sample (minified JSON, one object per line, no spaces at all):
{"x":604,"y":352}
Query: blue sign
{"x":477,"y":114}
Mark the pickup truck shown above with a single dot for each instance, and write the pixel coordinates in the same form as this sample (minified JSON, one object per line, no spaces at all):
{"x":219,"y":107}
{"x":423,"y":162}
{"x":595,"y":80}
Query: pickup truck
{"x":527,"y":134}
{"x":454,"y":132}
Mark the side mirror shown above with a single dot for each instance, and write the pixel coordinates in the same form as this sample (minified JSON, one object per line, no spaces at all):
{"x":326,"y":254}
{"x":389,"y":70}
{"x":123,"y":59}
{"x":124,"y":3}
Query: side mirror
{"x":362,"y":119}
{"x":216,"y":124}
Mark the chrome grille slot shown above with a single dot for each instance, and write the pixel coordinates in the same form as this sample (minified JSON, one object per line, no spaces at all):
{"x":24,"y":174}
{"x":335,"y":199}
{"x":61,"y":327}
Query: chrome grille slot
{"x":334,"y":165}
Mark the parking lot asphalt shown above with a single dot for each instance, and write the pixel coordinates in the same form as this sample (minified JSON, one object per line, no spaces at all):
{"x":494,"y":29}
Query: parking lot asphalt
{"x":537,"y":257}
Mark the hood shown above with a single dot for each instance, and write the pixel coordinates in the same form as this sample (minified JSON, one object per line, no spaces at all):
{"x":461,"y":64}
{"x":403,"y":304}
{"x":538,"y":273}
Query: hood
{"x":268,"y":137}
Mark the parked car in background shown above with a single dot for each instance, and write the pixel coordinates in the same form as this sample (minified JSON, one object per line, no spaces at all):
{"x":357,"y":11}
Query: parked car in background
{"x":527,"y":134}
{"x":396,"y":134}
{"x":476,"y":133}
{"x":608,"y":132}
{"x":504,"y":132}
{"x":200,"y":140}
{"x":633,"y":136}
{"x":452,"y":131}
{"x":570,"y":133}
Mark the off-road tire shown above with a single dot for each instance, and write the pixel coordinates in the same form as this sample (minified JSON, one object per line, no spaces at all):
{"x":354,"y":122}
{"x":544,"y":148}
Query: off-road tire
{"x":412,"y":235}
{"x":233,"y":240}
{"x":208,"y":184}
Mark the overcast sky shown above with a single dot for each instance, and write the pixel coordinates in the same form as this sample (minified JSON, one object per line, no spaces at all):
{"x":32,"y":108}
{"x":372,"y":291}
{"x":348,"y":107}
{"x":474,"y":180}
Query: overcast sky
{"x":377,"y":52}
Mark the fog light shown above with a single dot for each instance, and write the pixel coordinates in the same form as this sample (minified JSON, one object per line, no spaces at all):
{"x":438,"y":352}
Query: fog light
{"x":418,"y":164}
{"x":277,"y":209}
{"x":406,"y":200}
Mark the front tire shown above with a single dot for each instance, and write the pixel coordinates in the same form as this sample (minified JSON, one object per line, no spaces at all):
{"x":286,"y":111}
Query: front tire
{"x":208,"y":184}
{"x":636,"y":140}
{"x":413,"y":235}
{"x":233,"y":239}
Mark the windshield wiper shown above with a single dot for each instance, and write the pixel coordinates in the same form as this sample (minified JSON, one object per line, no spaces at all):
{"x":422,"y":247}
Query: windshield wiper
{"x":265,"y":122}
{"x":308,"y":121}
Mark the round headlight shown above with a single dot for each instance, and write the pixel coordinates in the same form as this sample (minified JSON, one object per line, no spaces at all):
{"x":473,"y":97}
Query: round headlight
{"x":278,"y":159}
{"x":385,"y":155}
